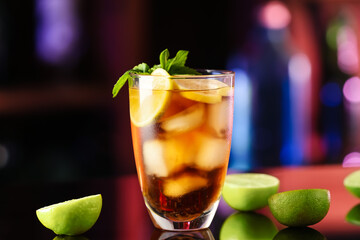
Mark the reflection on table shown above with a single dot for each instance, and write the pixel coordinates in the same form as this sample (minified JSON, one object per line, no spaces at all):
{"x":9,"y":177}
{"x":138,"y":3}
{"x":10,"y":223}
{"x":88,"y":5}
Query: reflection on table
{"x":124,"y":215}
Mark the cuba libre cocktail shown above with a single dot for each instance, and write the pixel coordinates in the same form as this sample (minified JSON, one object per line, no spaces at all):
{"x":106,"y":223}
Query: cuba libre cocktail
{"x":181,"y":130}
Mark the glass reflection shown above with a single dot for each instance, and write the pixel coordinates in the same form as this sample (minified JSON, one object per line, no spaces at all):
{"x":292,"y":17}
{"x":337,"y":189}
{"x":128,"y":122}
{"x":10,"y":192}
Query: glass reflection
{"x":247,"y":225}
{"x":299,"y":233}
{"x":205,"y":234}
{"x":353,"y":216}
{"x":71,"y":238}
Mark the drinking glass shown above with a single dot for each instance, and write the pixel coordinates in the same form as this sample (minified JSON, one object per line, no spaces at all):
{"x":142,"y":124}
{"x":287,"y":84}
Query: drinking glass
{"x":181,"y":130}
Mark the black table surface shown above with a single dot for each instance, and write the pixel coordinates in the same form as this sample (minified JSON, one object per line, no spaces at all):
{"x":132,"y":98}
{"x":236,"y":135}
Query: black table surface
{"x":124,"y":215}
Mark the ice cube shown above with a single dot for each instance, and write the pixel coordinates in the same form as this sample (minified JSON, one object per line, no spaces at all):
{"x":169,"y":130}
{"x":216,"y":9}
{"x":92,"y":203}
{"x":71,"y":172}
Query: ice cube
{"x":218,"y":119}
{"x":154,"y":158}
{"x":212,"y":152}
{"x":163,"y":157}
{"x":177,"y":187}
{"x":186,"y":120}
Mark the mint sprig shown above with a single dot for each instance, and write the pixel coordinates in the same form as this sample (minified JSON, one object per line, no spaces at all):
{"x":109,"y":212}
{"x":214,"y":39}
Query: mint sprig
{"x":174,"y":66}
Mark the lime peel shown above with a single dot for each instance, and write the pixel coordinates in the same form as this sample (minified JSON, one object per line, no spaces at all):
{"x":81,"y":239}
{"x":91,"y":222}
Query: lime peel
{"x":300,"y":208}
{"x":72,"y":217}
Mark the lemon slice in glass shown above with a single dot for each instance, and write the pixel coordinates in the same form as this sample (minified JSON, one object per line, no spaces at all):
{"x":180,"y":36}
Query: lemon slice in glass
{"x":71,"y":217}
{"x":149,"y":100}
{"x":203,"y":90}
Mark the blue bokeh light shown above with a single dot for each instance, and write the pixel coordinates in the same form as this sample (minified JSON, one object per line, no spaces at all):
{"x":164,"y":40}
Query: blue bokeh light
{"x":330,"y":94}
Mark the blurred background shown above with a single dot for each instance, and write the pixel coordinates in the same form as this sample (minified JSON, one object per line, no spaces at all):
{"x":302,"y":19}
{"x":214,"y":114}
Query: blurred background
{"x":297,"y":83}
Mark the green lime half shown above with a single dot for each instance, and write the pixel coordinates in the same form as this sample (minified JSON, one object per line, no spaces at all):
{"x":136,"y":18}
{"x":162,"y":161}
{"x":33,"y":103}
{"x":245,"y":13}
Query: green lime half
{"x":352,"y":183}
{"x":249,"y":191}
{"x":71,"y":217}
{"x":300,"y":208}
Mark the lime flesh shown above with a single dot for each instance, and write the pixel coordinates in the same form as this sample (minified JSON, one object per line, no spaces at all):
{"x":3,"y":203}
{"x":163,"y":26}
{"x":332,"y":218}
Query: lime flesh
{"x":71,"y":217}
{"x":352,"y":183}
{"x":300,"y":208}
{"x":249,"y":191}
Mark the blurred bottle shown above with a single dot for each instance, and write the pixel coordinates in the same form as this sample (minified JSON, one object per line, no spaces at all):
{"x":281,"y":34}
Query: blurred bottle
{"x":261,"y":90}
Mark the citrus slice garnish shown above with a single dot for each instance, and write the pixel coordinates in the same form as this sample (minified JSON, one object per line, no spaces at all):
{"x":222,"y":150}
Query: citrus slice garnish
{"x":149,"y":101}
{"x":203,"y":90}
{"x":300,"y":208}
{"x":71,"y":217}
{"x":249,"y":191}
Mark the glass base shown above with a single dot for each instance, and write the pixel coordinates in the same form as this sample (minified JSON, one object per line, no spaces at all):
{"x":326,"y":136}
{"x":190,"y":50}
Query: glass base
{"x":201,"y":222}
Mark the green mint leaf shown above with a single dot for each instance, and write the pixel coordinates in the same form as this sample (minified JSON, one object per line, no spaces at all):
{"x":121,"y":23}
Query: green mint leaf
{"x":142,"y":68}
{"x":181,"y":70}
{"x":174,"y":66}
{"x":153,"y":68}
{"x":120,"y":83}
{"x":179,"y":60}
{"x":164,"y":55}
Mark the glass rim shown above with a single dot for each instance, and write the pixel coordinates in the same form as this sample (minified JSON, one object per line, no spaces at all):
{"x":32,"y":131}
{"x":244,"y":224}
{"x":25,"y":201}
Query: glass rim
{"x":219,"y":73}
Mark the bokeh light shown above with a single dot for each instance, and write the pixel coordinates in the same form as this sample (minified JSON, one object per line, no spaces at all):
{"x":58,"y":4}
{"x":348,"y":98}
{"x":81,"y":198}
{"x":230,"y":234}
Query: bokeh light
{"x":347,"y":54}
{"x":299,"y":68}
{"x":241,"y":138}
{"x":351,"y":90}
{"x":352,"y":160}
{"x":332,"y":32}
{"x":274,"y":15}
{"x":330,"y":94}
{"x":57,"y":31}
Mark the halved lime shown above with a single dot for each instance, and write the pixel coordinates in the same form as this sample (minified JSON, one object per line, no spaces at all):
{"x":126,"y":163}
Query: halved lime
{"x":300,"y":208}
{"x":249,"y":191}
{"x":71,"y":217}
{"x":352,"y":183}
{"x":203,"y":90}
{"x":149,"y":101}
